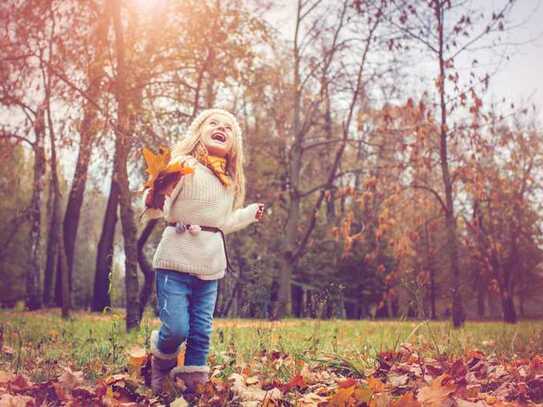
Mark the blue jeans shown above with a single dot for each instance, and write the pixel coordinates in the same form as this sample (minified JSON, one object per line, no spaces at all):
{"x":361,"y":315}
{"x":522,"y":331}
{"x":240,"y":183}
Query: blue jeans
{"x":186,"y":306}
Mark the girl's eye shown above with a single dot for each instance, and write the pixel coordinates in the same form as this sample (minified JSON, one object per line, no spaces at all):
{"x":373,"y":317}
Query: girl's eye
{"x":213,"y":122}
{"x":228,"y":128}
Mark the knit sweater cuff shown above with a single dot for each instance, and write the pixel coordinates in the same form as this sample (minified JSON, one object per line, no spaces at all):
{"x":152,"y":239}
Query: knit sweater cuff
{"x":240,"y":218}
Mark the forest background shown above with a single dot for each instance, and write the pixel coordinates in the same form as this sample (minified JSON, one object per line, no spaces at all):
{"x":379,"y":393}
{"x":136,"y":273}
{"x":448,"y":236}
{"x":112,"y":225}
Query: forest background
{"x":400,"y":179}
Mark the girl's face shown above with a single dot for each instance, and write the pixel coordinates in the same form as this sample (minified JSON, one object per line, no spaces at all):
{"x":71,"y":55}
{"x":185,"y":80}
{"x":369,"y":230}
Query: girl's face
{"x":218,"y":134}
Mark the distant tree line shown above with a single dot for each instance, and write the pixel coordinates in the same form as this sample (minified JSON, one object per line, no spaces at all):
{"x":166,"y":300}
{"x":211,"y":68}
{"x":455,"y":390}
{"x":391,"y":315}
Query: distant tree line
{"x":383,"y":200}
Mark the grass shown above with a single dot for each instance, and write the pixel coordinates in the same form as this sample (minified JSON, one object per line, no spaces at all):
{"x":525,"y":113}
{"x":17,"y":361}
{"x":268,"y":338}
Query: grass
{"x":40,"y":343}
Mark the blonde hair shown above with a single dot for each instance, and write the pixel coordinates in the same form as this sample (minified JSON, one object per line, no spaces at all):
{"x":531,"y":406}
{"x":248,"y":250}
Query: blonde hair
{"x":191,"y":145}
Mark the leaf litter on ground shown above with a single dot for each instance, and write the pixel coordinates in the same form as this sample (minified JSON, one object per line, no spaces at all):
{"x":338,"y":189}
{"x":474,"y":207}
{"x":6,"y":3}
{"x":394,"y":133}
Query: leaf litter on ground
{"x":401,"y":378}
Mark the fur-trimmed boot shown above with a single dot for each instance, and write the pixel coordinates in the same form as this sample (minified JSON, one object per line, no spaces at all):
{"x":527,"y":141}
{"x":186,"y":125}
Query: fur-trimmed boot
{"x":191,"y":377}
{"x":161,"y":364}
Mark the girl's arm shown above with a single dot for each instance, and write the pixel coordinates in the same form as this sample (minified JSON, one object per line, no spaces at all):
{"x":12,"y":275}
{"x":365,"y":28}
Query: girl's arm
{"x":149,"y":213}
{"x":243,"y":217}
{"x":157,"y":198}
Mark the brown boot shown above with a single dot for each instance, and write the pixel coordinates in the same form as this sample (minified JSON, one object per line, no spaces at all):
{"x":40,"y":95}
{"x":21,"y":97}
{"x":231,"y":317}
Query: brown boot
{"x":188,"y":378}
{"x":161,"y":364}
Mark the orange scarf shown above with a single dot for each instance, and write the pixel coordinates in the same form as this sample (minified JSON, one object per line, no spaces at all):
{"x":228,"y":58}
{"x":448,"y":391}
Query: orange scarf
{"x":218,"y":166}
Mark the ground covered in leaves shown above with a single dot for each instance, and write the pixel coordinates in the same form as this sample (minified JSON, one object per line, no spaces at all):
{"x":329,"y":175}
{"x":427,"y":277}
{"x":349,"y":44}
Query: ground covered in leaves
{"x":89,"y":360}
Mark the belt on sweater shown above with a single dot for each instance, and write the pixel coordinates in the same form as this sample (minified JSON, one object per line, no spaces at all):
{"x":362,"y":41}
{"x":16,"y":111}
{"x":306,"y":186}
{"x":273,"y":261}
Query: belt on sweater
{"x":183,"y":227}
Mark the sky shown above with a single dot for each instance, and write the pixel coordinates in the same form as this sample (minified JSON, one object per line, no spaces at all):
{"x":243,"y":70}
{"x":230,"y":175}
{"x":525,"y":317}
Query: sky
{"x":519,"y":79}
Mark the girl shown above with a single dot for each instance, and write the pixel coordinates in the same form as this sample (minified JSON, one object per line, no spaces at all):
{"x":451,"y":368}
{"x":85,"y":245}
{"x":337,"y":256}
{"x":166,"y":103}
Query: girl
{"x":190,"y":258}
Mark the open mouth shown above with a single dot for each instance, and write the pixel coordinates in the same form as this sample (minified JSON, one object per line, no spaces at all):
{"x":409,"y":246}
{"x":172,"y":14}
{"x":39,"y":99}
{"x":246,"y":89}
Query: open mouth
{"x":219,"y":137}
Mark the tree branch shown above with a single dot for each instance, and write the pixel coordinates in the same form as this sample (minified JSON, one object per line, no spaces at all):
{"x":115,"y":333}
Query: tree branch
{"x":433,"y":192}
{"x":4,"y":134}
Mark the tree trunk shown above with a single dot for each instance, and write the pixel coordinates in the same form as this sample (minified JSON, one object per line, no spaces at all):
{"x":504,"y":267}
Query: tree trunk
{"x":55,"y":226}
{"x":104,"y":253}
{"x":432,"y":273}
{"x":33,"y":298}
{"x":458,"y":314}
{"x":481,"y":289}
{"x":507,"y":287}
{"x":88,"y":131}
{"x":120,"y":172}
{"x":52,"y":245}
{"x":145,"y":267}
{"x":508,"y":306}
{"x":297,"y":300}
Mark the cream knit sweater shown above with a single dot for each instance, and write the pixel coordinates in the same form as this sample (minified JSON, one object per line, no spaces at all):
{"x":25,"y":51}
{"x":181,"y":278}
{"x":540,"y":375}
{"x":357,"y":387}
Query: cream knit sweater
{"x":198,"y":199}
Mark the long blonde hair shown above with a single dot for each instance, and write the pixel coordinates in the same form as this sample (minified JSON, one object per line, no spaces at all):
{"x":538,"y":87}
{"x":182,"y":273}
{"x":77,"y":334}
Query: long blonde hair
{"x":191,"y":145}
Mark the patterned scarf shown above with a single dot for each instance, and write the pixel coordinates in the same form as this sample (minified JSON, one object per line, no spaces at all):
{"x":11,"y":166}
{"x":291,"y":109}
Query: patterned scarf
{"x":218,"y":166}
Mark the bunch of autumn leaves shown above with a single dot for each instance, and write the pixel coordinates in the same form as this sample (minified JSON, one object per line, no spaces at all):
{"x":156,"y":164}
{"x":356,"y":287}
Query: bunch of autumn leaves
{"x":162,"y":176}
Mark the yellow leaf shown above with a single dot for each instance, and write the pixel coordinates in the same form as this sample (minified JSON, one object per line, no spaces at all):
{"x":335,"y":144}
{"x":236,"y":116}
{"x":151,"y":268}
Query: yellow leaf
{"x":363,"y":394}
{"x":160,"y":163}
{"x":136,"y":357}
{"x":376,"y":385}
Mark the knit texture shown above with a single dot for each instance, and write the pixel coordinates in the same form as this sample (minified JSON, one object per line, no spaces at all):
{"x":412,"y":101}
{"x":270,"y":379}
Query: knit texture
{"x":199,"y":199}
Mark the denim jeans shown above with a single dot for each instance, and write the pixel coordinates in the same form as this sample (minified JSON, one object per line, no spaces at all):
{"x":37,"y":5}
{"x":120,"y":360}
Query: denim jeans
{"x":186,"y":305}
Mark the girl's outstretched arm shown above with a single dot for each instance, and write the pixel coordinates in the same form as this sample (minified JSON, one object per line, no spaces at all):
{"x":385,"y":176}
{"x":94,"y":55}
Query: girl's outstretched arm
{"x":243,"y":217}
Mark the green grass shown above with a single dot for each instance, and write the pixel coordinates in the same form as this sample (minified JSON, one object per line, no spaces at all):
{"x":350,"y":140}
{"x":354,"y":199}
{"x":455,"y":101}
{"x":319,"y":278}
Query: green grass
{"x":40,"y":343}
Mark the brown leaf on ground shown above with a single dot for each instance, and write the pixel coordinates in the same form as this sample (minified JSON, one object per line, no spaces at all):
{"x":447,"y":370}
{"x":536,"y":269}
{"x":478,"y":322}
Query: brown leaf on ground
{"x":70,"y":379}
{"x":20,"y":383}
{"x":437,"y":392}
{"x":342,"y":396}
{"x":407,"y":400}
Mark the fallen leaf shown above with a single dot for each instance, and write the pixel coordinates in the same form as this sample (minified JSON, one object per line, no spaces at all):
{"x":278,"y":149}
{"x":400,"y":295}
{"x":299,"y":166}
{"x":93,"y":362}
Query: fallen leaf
{"x":437,"y":392}
{"x":347,"y":383}
{"x":376,"y":385}
{"x":362,"y":393}
{"x":466,"y":403}
{"x":251,"y":380}
{"x":342,"y":396}
{"x":136,"y":357}
{"x":407,"y":400}
{"x":70,"y":379}
{"x":8,"y":400}
{"x":296,"y":381}
{"x":20,"y":383}
{"x":179,"y":402}
{"x":6,"y":377}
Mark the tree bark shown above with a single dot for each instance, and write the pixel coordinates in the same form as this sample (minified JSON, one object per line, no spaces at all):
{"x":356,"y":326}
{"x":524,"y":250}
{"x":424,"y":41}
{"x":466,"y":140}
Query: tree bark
{"x":52,"y":244}
{"x":120,"y":172}
{"x":508,"y":306}
{"x":33,"y":298}
{"x":481,"y":290}
{"x":284,"y":298}
{"x":55,"y":226}
{"x":88,"y":131}
{"x":458,"y":313}
{"x":104,"y":253}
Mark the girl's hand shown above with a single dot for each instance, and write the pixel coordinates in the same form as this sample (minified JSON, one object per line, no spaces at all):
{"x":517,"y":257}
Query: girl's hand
{"x":259,"y":212}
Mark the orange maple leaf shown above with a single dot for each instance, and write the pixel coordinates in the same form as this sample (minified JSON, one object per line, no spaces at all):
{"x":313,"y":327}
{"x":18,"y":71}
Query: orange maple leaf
{"x":159,"y":164}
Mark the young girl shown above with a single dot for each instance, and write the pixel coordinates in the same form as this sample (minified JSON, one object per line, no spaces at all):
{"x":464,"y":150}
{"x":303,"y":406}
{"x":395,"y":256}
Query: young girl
{"x":190,"y":259}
